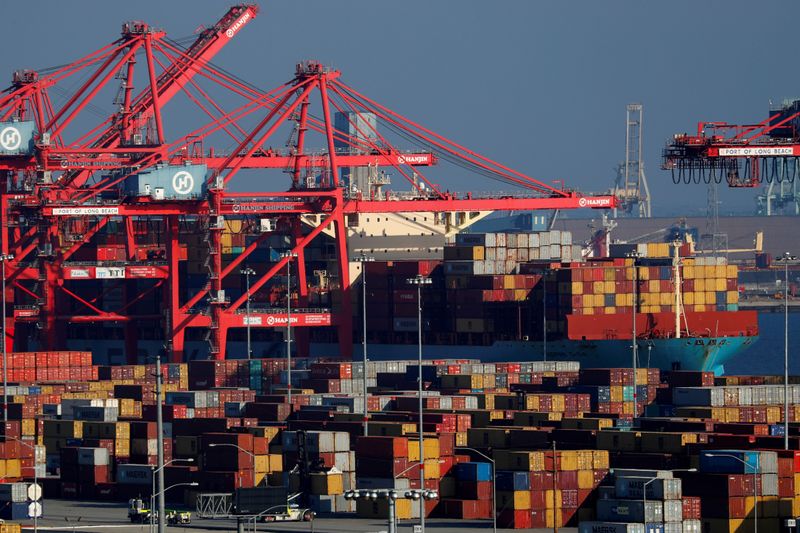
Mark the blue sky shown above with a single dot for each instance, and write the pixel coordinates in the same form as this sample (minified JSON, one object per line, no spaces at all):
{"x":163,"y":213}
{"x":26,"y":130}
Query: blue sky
{"x":540,"y":86}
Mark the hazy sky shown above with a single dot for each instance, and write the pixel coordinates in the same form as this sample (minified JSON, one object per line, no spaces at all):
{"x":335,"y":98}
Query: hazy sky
{"x":540,"y":86}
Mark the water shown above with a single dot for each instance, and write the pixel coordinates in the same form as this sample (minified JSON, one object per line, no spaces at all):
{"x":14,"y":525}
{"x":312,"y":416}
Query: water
{"x":765,"y":357}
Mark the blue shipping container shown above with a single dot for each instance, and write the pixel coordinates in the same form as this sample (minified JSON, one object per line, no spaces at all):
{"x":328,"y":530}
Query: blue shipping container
{"x":513,"y":480}
{"x":729,"y":462}
{"x":474,"y":472}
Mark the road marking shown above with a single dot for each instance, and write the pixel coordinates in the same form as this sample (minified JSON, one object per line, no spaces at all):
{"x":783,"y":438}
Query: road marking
{"x":78,"y":526}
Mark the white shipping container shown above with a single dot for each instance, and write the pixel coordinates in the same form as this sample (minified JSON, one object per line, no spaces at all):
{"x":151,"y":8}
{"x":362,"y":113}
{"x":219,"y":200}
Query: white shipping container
{"x":768,"y":462}
{"x":544,"y":239}
{"x":769,"y":485}
{"x":14,"y":492}
{"x":658,"y":489}
{"x":673,"y":527}
{"x":511,"y":240}
{"x":533,"y":240}
{"x":610,"y":527}
{"x":92,"y":456}
{"x":673,"y":510}
{"x":692,"y":526}
{"x":502,"y":254}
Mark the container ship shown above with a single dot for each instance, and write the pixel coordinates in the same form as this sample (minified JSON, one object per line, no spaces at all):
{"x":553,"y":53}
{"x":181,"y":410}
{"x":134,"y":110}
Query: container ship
{"x":504,"y":296}
{"x":499,"y":297}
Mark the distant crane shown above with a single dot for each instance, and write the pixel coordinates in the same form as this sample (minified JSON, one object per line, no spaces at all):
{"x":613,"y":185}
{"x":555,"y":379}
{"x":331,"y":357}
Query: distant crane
{"x":745,"y":156}
{"x":630,"y":186}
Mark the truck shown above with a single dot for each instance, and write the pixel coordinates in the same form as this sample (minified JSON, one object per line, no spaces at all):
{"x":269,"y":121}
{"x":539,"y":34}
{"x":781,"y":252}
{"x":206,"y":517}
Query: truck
{"x":139,"y":513}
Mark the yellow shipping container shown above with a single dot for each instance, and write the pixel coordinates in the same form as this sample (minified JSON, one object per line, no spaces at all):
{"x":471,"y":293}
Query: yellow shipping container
{"x":430,"y":447}
{"x":261,"y":464}
{"x":790,"y":507}
{"x":588,"y":311}
{"x":688,"y":298}
{"x":688,"y":271}
{"x":733,"y":297}
{"x":600,"y":459}
{"x":8,"y":527}
{"x":721,"y":271}
{"x":327,"y":483}
{"x":597,"y":287}
{"x":380,"y":508}
{"x":709,"y":271}
{"x":552,"y":517}
{"x":654,"y":285}
{"x":732,"y":272}
{"x":609,"y":274}
{"x":610,"y":310}
{"x":519,"y":500}
{"x":549,"y":500}
{"x":28,"y":427}
{"x":700,"y":308}
{"x":643,"y":273}
{"x":577,"y":287}
{"x":585,"y":479}
{"x":666,"y":298}
{"x":432,"y":468}
{"x":608,"y":287}
{"x":519,"y":461}
{"x":275,"y":462}
{"x":13,"y":468}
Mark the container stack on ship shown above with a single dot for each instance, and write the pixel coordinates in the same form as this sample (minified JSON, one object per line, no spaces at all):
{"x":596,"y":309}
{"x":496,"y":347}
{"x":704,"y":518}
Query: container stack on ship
{"x":512,"y":295}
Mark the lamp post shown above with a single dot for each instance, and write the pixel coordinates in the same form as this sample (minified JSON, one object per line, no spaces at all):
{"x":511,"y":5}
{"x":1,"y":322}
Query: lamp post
{"x":153,"y":485}
{"x":160,"y":443}
{"x":363,"y":259}
{"x":247,"y":273}
{"x":419,"y":281}
{"x":634,"y":345}
{"x":544,"y":315}
{"x":786,"y":258}
{"x":3,"y":259}
{"x":35,"y":473}
{"x":755,"y":481}
{"x":288,"y":256}
{"x":494,"y":484}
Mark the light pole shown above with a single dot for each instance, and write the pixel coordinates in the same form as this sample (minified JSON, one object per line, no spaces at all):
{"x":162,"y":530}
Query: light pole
{"x":160,"y":443}
{"x":494,"y":484}
{"x":634,"y":345}
{"x":153,"y":486}
{"x":35,"y":473}
{"x":364,"y":259}
{"x":3,"y":259}
{"x":419,"y":281}
{"x":247,"y":273}
{"x":544,"y":315}
{"x":288,"y":256}
{"x":755,"y":481}
{"x":786,"y":258}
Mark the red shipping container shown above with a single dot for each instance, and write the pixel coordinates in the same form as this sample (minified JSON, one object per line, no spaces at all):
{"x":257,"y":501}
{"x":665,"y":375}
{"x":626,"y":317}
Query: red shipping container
{"x":382,"y":447}
{"x":514,"y":519}
{"x":475,"y":490}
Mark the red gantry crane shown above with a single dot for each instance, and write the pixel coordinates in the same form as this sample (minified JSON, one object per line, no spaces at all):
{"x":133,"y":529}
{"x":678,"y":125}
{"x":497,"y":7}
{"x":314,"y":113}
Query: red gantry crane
{"x":102,"y":221}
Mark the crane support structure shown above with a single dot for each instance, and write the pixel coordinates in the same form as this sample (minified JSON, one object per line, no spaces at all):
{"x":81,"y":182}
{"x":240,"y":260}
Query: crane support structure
{"x":104,"y":222}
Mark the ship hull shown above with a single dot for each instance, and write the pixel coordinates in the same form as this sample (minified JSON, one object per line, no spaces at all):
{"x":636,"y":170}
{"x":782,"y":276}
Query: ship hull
{"x":692,"y":353}
{"x":707,"y":354}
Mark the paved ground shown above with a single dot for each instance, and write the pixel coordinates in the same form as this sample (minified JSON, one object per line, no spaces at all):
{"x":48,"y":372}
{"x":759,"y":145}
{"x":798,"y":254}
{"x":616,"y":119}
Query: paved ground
{"x":91,"y":517}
